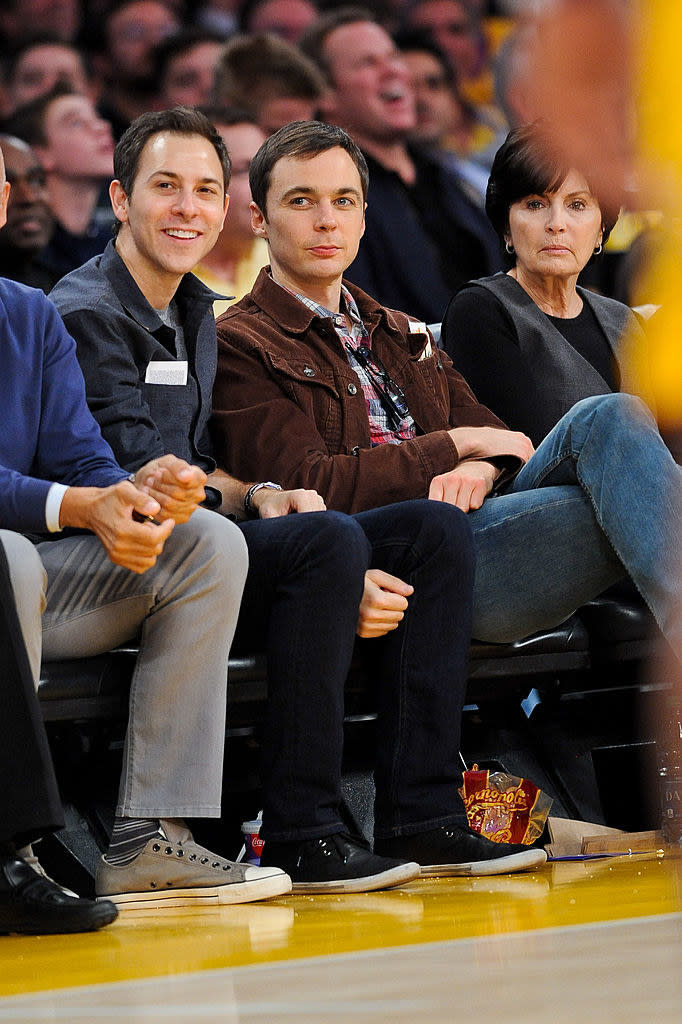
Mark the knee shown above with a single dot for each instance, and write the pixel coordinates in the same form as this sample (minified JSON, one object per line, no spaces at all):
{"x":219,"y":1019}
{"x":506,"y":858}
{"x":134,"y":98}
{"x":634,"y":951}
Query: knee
{"x":450,"y":528}
{"x":340,"y":540}
{"x":439,"y":520}
{"x":218,"y":543}
{"x":26,"y":570}
{"x":435,"y":530}
{"x":618,"y":409}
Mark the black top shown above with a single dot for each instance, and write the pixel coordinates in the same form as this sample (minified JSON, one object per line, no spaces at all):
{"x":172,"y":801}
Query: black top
{"x":422,"y":242}
{"x":480,"y":335}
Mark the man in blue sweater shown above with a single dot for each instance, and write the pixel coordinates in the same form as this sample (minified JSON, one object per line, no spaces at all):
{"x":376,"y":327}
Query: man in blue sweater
{"x":173,"y":581}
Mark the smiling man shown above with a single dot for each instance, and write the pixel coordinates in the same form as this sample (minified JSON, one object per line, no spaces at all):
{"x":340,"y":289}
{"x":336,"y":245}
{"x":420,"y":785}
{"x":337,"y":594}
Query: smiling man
{"x":146,"y":338}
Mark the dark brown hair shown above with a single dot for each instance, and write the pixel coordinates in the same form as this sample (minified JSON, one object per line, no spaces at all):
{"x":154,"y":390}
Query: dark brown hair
{"x":527,"y":163}
{"x":300,"y":139}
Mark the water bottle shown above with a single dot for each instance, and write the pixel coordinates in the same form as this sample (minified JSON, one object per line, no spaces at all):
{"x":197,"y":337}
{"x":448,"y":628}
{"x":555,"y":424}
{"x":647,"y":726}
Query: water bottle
{"x":670,"y":774}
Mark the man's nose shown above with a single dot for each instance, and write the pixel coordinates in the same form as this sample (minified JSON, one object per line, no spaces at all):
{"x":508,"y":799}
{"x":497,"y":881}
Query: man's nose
{"x":326,"y":216}
{"x":184,"y":202}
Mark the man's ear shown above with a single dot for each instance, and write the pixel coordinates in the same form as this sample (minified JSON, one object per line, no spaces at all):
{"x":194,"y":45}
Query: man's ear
{"x":119,"y":201}
{"x":4,"y":197}
{"x":259,"y":224}
{"x":225,"y":209}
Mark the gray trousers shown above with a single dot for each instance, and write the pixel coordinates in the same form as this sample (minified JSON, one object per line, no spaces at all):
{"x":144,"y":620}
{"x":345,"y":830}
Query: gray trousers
{"x":73,"y":602}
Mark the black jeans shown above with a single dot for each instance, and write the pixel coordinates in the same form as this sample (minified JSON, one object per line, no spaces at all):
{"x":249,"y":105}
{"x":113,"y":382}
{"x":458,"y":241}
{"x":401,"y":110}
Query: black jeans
{"x":301,"y":602}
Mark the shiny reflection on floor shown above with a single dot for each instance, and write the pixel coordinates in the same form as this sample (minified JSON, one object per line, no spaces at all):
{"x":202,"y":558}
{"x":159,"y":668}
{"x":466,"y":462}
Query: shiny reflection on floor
{"x":145,"y":944}
{"x":624,"y":971}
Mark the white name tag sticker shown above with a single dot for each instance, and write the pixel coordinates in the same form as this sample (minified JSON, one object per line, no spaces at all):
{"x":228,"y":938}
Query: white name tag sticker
{"x":166,"y":371}
{"x":418,"y":327}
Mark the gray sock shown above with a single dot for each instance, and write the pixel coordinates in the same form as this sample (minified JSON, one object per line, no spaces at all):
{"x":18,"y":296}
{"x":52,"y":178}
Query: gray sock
{"x":129,"y":837}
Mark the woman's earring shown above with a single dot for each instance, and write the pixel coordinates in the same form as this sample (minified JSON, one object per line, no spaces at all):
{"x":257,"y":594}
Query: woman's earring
{"x":598,"y":249}
{"x":509,"y":249}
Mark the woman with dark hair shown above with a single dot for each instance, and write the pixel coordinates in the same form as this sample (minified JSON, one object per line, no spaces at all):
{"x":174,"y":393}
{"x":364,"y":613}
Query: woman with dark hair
{"x":531,"y":341}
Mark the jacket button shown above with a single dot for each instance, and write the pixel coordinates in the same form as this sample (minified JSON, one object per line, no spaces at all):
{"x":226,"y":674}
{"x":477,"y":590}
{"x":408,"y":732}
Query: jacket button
{"x":352,"y":389}
{"x":356,"y":450}
{"x":308,"y":371}
{"x":439,"y":365}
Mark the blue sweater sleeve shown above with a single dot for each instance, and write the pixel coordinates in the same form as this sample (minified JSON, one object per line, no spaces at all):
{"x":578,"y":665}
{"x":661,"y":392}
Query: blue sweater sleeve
{"x":48,"y":433}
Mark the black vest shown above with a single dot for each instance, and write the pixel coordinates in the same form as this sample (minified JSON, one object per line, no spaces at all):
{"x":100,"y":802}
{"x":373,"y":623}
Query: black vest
{"x":562,"y":374}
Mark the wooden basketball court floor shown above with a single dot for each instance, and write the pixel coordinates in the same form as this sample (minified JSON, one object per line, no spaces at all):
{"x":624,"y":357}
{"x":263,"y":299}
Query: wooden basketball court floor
{"x":597,"y":940}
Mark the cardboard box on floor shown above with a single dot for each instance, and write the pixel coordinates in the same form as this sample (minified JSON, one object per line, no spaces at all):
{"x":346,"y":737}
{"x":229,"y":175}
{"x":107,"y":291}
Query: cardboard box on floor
{"x":570,"y":838}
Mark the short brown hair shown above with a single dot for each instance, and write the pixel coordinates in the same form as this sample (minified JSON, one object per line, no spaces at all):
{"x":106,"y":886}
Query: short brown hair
{"x":256,"y":68}
{"x":28,"y":121}
{"x":178,"y":120}
{"x":315,"y":36}
{"x":301,"y":139}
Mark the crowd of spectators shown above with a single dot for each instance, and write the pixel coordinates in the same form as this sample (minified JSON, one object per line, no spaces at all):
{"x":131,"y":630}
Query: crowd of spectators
{"x":428,"y":89}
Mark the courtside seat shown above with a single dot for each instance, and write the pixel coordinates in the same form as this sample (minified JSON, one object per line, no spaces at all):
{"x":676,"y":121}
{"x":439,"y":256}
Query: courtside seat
{"x":561,"y":648}
{"x":88,"y":689}
{"x":620,"y":626}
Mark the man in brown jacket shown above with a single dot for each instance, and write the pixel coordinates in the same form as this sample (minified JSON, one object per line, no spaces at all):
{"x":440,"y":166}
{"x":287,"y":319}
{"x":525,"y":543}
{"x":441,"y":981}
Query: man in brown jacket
{"x":356,"y":401}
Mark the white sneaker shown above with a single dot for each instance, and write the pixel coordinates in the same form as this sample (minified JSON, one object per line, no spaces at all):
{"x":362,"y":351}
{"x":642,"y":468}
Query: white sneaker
{"x":174,"y":871}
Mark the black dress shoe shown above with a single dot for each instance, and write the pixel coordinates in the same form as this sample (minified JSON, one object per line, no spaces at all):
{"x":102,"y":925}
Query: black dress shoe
{"x":455,"y":850}
{"x":336,"y":864}
{"x":32,"y":904}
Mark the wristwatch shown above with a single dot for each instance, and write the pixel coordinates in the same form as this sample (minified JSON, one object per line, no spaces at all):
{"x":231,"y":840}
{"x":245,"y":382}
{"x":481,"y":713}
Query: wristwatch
{"x":249,"y":507}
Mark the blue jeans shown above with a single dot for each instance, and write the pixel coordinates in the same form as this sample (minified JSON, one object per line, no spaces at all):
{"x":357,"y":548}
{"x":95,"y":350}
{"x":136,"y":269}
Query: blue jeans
{"x":305,"y":581}
{"x":597,"y":501}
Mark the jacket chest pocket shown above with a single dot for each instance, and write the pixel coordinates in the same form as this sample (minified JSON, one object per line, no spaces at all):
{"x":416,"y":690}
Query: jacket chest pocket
{"x":314,"y":389}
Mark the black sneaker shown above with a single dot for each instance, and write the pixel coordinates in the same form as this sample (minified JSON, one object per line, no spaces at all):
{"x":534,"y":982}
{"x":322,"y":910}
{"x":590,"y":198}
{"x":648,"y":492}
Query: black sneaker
{"x":32,"y":904}
{"x":456,"y":850}
{"x":337,"y":864}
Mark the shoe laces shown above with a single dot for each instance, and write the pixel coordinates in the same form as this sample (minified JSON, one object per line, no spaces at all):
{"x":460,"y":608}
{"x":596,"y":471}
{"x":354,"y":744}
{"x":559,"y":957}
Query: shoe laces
{"x":338,"y":840}
{"x":200,"y":856}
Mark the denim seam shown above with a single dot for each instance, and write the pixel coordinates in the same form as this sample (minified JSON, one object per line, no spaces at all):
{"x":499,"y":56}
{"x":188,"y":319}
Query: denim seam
{"x":519,"y":515}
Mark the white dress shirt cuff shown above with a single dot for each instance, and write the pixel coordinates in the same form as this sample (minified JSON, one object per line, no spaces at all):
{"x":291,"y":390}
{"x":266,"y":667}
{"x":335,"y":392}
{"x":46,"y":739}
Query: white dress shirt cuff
{"x":53,"y":506}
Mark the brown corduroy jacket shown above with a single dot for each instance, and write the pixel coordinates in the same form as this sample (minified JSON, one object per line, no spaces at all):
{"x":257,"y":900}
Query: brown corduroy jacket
{"x":287,"y":406}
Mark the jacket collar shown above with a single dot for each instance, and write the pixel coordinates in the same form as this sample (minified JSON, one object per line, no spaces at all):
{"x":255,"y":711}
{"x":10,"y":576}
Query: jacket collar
{"x":190,"y":291}
{"x":295,"y":317}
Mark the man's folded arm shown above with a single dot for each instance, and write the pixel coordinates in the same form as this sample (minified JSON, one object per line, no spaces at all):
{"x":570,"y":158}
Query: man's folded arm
{"x":261,"y":434}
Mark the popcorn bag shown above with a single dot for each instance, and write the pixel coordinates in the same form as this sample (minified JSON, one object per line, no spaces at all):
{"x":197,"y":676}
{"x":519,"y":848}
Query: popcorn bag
{"x":503,"y":807}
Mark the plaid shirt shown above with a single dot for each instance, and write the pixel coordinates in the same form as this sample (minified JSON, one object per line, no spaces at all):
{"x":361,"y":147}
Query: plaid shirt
{"x":380,"y":431}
